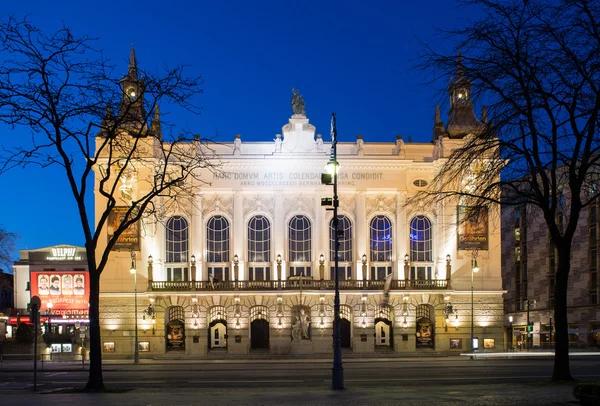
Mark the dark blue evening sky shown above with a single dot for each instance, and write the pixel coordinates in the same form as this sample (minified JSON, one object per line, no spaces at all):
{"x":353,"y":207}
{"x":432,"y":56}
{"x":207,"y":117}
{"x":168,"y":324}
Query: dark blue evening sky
{"x":349,"y":57}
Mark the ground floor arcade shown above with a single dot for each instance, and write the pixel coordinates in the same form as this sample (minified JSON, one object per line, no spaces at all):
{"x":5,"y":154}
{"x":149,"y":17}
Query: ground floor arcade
{"x":189,"y":324}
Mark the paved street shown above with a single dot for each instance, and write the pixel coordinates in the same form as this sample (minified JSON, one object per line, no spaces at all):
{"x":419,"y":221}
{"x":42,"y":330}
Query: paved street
{"x":368,"y":381}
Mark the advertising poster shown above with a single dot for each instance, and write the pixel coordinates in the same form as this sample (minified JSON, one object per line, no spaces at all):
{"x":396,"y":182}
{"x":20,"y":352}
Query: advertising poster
{"x":424,"y":333}
{"x":456,"y":343}
{"x":130,"y":238}
{"x":175,"y":337}
{"x":67,"y":291}
{"x":472,"y":228}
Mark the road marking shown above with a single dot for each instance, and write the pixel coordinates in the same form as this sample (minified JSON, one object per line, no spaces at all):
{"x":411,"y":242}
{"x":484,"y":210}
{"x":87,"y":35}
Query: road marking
{"x":57,"y":373}
{"x":253,"y":381}
{"x":486,"y":378}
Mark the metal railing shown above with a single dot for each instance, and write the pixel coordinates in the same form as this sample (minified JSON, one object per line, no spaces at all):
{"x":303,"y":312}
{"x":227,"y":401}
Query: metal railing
{"x":401,"y":284}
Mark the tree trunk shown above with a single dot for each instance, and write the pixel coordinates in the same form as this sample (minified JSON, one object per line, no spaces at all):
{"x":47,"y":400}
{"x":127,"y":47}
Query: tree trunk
{"x":95,"y":380}
{"x":562,"y":370}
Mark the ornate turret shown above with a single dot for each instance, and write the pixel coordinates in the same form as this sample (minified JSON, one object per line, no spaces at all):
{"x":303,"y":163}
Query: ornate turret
{"x":438,"y":125}
{"x":461,"y":117}
{"x":155,"y":126}
{"x":132,"y":103}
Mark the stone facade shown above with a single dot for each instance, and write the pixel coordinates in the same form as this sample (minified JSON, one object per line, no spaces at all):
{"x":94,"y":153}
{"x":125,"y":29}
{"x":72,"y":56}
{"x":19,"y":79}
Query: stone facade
{"x":217,"y":296}
{"x":537,"y":265}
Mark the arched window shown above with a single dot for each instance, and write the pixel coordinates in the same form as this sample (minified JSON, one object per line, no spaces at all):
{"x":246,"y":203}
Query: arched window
{"x":259,"y":248}
{"x":421,"y":248}
{"x":177,"y":249}
{"x":177,"y":239}
{"x":300,"y":243}
{"x":217,"y":248}
{"x":380,"y":245}
{"x":345,"y":248}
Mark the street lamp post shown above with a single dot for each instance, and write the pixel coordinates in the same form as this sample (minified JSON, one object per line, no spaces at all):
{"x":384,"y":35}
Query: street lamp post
{"x":136,"y":353}
{"x":474,"y":269}
{"x":510,"y":320}
{"x":337,"y":371}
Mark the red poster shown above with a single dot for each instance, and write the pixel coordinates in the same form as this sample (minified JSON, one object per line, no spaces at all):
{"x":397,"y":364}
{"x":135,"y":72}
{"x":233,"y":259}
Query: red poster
{"x":69,"y":292}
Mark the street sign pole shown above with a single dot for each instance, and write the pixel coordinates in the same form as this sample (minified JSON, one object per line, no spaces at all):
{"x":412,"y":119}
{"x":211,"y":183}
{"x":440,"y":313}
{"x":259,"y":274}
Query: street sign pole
{"x":35,"y":309}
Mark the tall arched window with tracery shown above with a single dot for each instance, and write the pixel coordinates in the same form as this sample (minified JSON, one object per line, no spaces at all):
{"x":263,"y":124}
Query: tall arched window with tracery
{"x":217,"y":248}
{"x":421,"y":248}
{"x":177,"y":249}
{"x":259,"y":249}
{"x":345,"y":249}
{"x":380,"y":247}
{"x":300,"y":246}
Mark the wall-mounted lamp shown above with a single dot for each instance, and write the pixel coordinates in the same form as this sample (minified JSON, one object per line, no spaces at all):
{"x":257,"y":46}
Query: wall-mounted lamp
{"x":448,"y":259}
{"x":406,"y":258}
{"x":150,"y":261}
{"x":278,"y":259}
{"x":193,"y":260}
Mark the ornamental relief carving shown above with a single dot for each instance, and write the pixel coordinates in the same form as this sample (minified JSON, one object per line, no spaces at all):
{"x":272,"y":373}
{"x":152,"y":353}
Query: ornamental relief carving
{"x":348,"y":203}
{"x":259,"y":203}
{"x":217,"y":203}
{"x":299,"y":203}
{"x":385,"y":203}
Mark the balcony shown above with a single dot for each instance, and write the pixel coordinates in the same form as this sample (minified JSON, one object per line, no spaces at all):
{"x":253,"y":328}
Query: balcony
{"x":308,"y":284}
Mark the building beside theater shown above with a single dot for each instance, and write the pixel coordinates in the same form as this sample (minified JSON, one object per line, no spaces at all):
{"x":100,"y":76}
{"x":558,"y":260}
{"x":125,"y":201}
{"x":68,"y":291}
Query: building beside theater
{"x":248,"y":264}
{"x":58,"y":275}
{"x":529,"y":263}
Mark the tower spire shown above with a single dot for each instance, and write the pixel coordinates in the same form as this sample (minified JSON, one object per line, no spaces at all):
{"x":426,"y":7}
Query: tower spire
{"x":133,"y":72}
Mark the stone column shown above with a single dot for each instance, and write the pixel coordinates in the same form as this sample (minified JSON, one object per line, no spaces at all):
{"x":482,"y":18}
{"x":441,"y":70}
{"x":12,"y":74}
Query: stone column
{"x":401,"y":234}
{"x":320,"y":228}
{"x":362,"y":233}
{"x":279,"y":227}
{"x":196,"y":234}
{"x":239,"y":231}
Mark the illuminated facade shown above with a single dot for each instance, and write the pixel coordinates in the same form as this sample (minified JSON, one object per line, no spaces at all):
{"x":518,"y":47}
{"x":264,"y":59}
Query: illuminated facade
{"x":248,"y":265}
{"x":58,"y":275}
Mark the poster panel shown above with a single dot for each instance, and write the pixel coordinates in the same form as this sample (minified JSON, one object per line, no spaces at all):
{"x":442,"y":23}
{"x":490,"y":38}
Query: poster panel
{"x":472,"y":229}
{"x":175,"y":335}
{"x":68,"y":291}
{"x":424,"y":333}
{"x":130,"y":238}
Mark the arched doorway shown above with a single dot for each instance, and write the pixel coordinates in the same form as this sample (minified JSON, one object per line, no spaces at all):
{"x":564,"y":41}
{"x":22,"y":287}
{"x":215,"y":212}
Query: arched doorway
{"x":175,"y":331}
{"x":217,"y":328}
{"x":259,"y":327}
{"x":345,"y":327}
{"x":425,"y":327}
{"x":384,"y":330}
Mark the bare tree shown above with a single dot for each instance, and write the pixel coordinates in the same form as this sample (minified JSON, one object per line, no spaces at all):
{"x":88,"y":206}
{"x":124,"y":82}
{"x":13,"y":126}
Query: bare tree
{"x":536,"y":64}
{"x":104,"y":131}
{"x":7,"y":247}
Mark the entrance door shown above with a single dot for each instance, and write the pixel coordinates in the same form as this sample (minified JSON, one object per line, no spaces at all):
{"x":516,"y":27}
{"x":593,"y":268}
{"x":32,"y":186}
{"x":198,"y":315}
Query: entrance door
{"x":259,"y":333}
{"x":382,"y":334}
{"x":345,"y":333}
{"x":217,"y":336}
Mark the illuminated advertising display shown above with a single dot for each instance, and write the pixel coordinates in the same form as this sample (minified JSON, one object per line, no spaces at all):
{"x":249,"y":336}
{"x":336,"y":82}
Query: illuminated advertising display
{"x":130,"y":238}
{"x":68,"y":292}
{"x":472,"y":228}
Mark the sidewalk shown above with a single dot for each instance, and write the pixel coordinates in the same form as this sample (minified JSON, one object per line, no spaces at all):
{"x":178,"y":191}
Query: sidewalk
{"x":501,"y":394}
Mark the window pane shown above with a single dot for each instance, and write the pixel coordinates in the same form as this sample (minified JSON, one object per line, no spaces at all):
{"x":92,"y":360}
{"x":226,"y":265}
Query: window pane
{"x":420,"y":239}
{"x":345,"y":239}
{"x":299,"y":230}
{"x":381,"y":239}
{"x":217,"y":239}
{"x":259,"y":239}
{"x":177,"y":239}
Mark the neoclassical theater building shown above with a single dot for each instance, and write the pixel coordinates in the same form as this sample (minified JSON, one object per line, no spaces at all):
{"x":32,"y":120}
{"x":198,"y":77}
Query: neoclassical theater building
{"x":248,"y":266}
